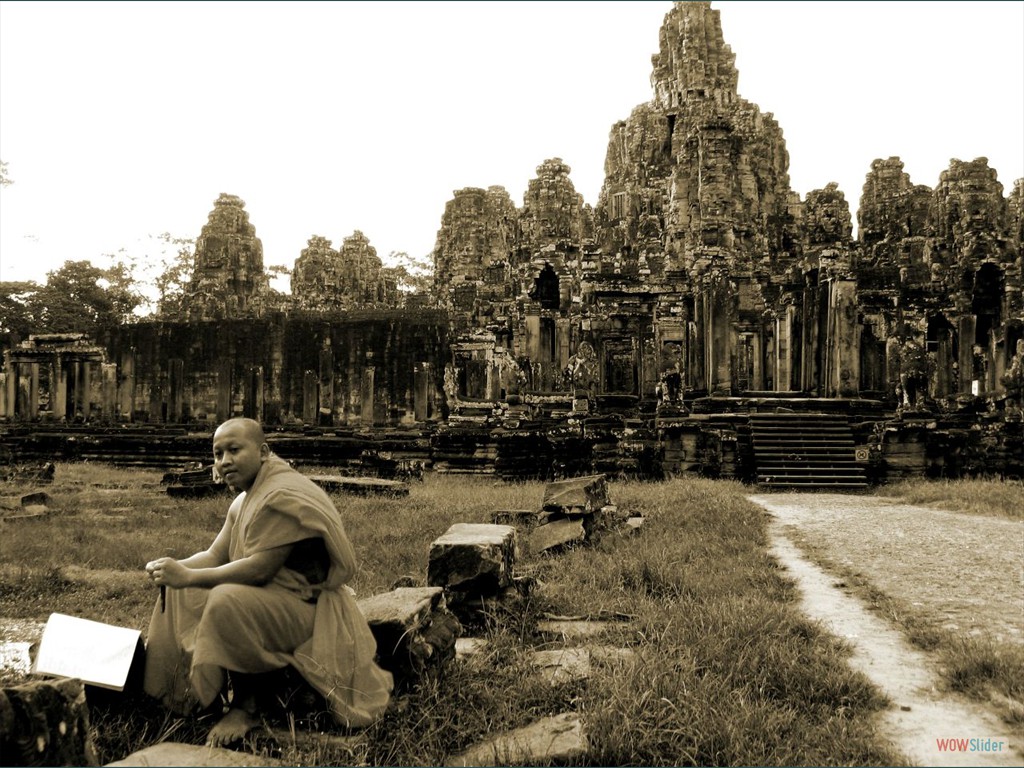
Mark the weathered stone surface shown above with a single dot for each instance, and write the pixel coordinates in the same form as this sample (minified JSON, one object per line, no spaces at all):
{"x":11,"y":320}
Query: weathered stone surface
{"x":563,"y":665}
{"x":551,"y":741}
{"x":415,"y":632}
{"x":361,"y":485}
{"x":572,"y":629}
{"x":228,"y":279}
{"x":578,"y":495}
{"x":469,"y":647}
{"x":328,"y":280}
{"x":557,"y":533}
{"x":46,"y":723}
{"x":633,"y":525}
{"x":473,"y":558}
{"x":175,"y":753}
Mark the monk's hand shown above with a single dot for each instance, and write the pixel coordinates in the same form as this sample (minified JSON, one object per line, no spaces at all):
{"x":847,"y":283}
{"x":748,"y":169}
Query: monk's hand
{"x":167,"y":572}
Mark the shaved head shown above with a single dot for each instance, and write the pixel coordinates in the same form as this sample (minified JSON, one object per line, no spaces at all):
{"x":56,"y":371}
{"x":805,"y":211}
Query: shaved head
{"x":250,"y":428}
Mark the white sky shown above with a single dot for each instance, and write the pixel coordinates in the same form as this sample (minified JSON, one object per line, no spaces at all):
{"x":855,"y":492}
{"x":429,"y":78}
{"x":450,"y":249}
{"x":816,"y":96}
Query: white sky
{"x":119,"y":121}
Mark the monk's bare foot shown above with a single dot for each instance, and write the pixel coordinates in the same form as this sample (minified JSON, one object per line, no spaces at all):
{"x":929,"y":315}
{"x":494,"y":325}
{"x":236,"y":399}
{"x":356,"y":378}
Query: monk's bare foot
{"x":232,"y":728}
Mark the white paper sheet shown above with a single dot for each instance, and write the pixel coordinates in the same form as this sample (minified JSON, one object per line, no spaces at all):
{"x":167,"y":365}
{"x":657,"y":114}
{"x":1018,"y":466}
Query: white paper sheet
{"x":96,"y":653}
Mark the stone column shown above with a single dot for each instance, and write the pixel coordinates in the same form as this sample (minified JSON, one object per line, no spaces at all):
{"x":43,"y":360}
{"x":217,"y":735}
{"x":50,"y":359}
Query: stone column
{"x":563,"y":334}
{"x":3,"y":394}
{"x":719,"y":338}
{"x":366,"y":397}
{"x":784,"y":351}
{"x":310,"y":398}
{"x":109,"y":400}
{"x":843,"y":358}
{"x":33,"y":391}
{"x":21,"y":396}
{"x":59,"y":389}
{"x":532,"y":335}
{"x":225,"y":369}
{"x":86,"y":389}
{"x":757,"y":350}
{"x":176,"y":389}
{"x":11,"y":388}
{"x":421,"y":393}
{"x":126,"y":393}
{"x":966,"y":362}
{"x":942,"y":383}
{"x":252,"y":407}
{"x":325,"y":416}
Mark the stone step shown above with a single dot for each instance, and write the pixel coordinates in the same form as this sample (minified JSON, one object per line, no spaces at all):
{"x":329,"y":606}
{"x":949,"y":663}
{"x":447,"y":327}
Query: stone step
{"x":806,"y":479}
{"x":794,"y":425}
{"x":557,"y":740}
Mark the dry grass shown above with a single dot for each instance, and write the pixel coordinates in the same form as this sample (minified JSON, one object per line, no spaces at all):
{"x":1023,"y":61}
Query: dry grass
{"x":1004,"y":498}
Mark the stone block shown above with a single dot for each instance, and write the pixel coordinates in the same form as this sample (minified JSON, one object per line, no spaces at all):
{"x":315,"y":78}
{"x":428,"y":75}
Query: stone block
{"x":577,"y":495}
{"x":414,"y":630}
{"x":633,"y":525}
{"x":563,"y":665}
{"x":45,"y":723}
{"x":361,"y":486}
{"x":188,"y":755}
{"x":473,"y":559}
{"x":557,"y":740}
{"x":571,"y":629}
{"x":557,"y":533}
{"x":469,"y":647}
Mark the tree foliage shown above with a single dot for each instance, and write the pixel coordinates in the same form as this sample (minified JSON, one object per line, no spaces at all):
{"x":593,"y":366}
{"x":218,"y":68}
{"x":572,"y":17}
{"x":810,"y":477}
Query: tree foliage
{"x":77,"y":298}
{"x":413,"y":275}
{"x":175,"y":276}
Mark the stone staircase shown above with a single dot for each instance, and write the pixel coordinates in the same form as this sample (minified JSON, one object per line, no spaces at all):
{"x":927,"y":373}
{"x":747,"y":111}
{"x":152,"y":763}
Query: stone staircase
{"x":804,"y":450}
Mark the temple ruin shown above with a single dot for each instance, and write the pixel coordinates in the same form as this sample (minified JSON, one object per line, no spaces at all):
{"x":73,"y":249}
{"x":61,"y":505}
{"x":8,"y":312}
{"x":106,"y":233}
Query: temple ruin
{"x":658,"y":332}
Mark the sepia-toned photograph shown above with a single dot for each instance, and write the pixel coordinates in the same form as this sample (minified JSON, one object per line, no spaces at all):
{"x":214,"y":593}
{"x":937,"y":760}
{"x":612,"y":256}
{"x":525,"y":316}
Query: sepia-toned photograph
{"x":511,"y":383}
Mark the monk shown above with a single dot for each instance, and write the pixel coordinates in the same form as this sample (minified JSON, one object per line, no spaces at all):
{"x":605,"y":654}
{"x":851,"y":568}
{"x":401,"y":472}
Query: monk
{"x":270,"y":592}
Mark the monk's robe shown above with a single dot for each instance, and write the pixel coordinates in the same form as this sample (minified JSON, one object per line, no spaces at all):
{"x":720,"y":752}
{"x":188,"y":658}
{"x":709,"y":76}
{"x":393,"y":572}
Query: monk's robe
{"x":315,"y":627}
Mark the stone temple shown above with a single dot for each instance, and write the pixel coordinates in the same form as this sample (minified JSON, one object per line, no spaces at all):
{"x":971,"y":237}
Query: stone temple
{"x":689,"y":321}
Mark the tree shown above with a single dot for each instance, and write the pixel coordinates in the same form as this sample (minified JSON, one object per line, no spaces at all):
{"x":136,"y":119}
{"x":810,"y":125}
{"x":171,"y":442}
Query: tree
{"x":80,"y":297}
{"x":174,"y":279}
{"x":413,"y":275}
{"x":16,"y":307}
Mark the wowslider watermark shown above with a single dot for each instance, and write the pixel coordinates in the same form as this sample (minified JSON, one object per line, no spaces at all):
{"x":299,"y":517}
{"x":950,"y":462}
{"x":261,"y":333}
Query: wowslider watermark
{"x":970,"y":745}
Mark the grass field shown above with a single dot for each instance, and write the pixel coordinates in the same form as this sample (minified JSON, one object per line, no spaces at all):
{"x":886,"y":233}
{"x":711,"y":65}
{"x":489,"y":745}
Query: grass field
{"x":1004,"y":498}
{"x":724,"y":668}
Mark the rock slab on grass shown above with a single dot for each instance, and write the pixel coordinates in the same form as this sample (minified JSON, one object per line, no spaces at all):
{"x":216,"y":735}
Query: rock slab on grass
{"x":554,"y":740}
{"x":557,"y":533}
{"x":188,"y":755}
{"x":472,"y":558}
{"x":361,"y":486}
{"x":577,"y":495}
{"x":414,"y":630}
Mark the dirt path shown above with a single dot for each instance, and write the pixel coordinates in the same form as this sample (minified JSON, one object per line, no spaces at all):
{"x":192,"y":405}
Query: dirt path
{"x":896,"y":545}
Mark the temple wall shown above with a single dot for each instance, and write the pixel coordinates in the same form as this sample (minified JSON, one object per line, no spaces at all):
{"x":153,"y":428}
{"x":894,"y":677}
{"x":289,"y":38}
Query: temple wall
{"x":369,"y":369}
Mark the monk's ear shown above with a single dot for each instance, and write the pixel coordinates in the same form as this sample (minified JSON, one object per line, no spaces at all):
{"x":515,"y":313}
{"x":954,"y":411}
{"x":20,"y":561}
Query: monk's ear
{"x":264,"y":452}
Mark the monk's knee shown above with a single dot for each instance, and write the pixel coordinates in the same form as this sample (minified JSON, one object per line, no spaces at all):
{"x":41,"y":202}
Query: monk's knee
{"x":224,"y":601}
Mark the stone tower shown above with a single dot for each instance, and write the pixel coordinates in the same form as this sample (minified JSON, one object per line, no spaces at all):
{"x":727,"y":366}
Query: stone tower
{"x":316,"y":276}
{"x":698,"y":163}
{"x":696,"y":205}
{"x":228,"y":279}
